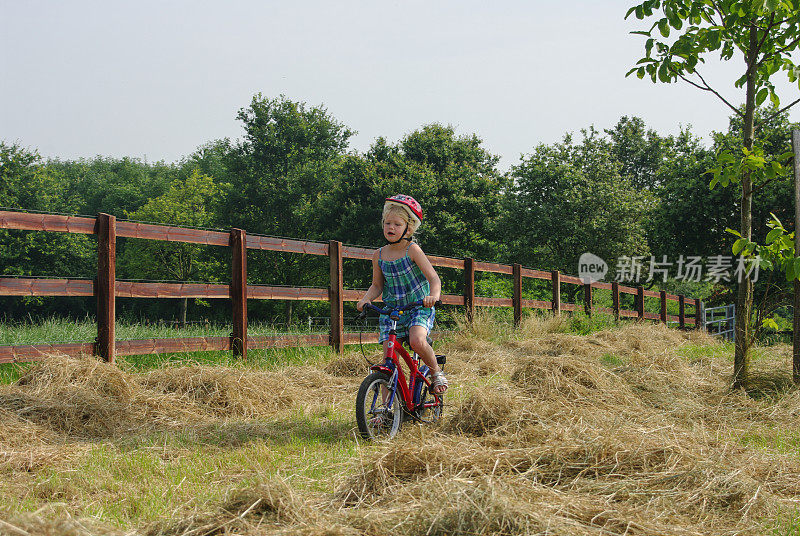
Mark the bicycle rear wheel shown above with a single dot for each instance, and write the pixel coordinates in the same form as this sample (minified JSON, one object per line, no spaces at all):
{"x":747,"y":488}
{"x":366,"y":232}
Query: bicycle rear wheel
{"x":378,"y":408}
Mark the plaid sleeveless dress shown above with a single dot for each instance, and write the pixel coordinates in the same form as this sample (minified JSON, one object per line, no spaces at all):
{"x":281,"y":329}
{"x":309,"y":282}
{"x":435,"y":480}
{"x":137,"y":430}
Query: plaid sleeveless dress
{"x":404,"y":283}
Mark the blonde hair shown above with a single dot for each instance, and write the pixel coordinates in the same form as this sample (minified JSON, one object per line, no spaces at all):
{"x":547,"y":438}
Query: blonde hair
{"x":393,"y":208}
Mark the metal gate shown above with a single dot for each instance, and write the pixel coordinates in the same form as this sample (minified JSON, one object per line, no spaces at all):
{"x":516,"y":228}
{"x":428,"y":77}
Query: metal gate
{"x":720,"y":321}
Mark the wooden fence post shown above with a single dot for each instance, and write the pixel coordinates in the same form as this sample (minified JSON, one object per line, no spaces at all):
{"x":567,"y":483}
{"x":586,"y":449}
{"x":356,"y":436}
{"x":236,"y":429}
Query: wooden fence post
{"x":615,"y":299}
{"x":336,"y":298}
{"x":681,"y":311}
{"x":516,"y":270}
{"x":469,"y":288}
{"x":587,"y":299}
{"x":698,"y":314}
{"x":640,"y":301}
{"x":663,"y":317}
{"x":556,"y":278}
{"x":105,"y":286}
{"x":239,"y":292}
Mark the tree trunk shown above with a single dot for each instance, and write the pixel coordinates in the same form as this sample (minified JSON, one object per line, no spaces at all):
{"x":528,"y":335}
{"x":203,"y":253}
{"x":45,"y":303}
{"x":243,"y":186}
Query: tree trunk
{"x":182,"y":315}
{"x":744,"y":301}
{"x":744,"y":293}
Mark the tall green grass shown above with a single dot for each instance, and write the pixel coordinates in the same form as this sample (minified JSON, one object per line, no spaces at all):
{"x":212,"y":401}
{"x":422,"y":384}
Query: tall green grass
{"x":59,"y":330}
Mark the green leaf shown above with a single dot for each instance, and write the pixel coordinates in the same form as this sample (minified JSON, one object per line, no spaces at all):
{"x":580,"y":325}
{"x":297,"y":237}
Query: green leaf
{"x":663,"y":27}
{"x":739,"y":245}
{"x":663,"y":73}
{"x":770,"y":323}
{"x":733,"y":232}
{"x":773,"y":97}
{"x":796,"y":264}
{"x":773,"y":235}
{"x":772,"y":5}
{"x":761,"y":96}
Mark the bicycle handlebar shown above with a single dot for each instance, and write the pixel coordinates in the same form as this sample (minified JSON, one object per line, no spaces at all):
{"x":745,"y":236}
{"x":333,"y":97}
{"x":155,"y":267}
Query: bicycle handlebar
{"x":390,"y":310}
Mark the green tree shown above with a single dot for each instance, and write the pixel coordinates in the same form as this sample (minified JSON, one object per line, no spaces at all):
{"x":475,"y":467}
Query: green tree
{"x":278,"y":171}
{"x":189,"y":202}
{"x":570,"y":198}
{"x":640,"y":151}
{"x":690,"y":218}
{"x":212,"y":159}
{"x":763,"y":33}
{"x":28,"y":184}
{"x":113,"y":185}
{"x":455,"y":179}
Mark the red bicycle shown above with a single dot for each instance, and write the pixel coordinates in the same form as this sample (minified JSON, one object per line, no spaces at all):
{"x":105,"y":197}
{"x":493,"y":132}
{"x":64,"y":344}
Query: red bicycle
{"x":386,"y":397}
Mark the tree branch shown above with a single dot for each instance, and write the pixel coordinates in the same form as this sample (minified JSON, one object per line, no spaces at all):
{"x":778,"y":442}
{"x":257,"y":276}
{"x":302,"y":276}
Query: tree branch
{"x":706,"y":87}
{"x":788,"y":47}
{"x":764,"y":38}
{"x":776,"y":114}
{"x":719,"y":12}
{"x":761,"y":186}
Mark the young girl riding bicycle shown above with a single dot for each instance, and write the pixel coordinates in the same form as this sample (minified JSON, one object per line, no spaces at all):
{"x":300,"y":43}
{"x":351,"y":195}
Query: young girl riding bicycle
{"x":402,"y":274}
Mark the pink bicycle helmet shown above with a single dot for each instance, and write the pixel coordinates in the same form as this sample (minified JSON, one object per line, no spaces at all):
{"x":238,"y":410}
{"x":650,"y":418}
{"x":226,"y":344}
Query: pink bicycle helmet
{"x":409,"y":203}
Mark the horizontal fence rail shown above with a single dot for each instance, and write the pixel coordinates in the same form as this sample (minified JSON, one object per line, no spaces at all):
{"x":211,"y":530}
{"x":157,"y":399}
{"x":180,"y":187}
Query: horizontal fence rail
{"x":106,"y":288}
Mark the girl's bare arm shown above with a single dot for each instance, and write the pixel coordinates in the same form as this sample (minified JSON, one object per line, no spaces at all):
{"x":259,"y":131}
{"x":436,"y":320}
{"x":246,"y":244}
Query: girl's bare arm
{"x":376,"y":288}
{"x":419,"y":257}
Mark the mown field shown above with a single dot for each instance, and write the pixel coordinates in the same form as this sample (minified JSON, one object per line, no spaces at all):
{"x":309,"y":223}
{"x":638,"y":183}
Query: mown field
{"x":628,"y":430}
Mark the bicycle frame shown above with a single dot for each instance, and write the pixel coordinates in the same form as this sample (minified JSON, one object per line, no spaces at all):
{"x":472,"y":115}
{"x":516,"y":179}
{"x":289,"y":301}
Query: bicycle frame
{"x":398,"y":377}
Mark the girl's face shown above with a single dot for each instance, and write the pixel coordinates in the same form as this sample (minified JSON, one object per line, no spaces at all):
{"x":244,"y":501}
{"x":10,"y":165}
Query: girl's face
{"x":393,"y":227}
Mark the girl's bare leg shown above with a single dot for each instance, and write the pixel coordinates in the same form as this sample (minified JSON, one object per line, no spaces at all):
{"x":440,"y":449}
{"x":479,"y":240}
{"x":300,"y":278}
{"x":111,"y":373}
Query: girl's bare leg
{"x":418,"y":339}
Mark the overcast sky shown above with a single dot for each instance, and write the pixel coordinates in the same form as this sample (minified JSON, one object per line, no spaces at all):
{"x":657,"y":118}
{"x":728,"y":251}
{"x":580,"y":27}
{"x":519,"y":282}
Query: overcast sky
{"x":158,"y":79}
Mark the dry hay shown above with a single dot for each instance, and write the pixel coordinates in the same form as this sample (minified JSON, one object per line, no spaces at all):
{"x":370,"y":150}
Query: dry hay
{"x":53,"y":525}
{"x":566,"y":445}
{"x":483,"y":411}
{"x":547,"y":440}
{"x":223,"y":391}
{"x":74,"y":397}
{"x":272,"y":507}
{"x":63,"y":398}
{"x":349,"y":364}
{"x":87,"y":398}
{"x":27,"y":446}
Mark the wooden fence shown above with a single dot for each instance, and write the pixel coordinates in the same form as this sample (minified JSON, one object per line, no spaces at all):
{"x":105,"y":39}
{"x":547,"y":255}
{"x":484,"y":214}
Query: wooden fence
{"x":106,"y":288}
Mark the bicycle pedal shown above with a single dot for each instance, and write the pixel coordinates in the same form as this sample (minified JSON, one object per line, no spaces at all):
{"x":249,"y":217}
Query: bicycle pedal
{"x":441,"y":359}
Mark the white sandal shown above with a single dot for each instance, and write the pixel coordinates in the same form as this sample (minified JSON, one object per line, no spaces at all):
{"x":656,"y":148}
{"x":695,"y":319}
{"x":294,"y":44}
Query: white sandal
{"x":438,"y":380}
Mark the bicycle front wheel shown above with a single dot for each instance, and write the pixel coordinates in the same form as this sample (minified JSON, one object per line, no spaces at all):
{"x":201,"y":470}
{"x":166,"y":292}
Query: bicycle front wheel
{"x":378,"y":409}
